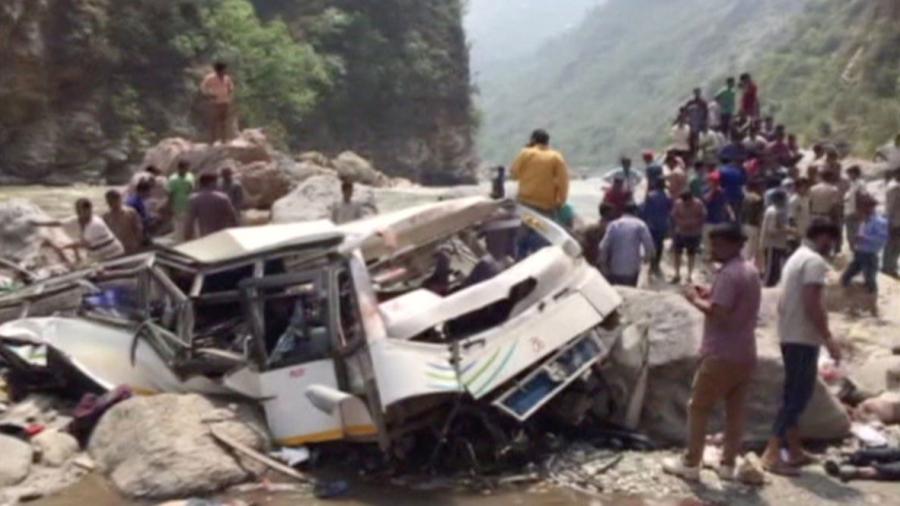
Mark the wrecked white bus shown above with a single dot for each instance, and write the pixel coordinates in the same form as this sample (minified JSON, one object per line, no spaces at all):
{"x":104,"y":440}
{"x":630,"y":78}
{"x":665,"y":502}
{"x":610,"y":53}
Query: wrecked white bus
{"x":361,"y":332}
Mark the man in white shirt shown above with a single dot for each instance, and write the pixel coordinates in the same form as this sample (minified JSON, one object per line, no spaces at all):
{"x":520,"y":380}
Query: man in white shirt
{"x":799,"y":207}
{"x":802,"y":329}
{"x":94,"y":236}
{"x":681,"y":139}
{"x":218,"y":88}
{"x":346,"y":210}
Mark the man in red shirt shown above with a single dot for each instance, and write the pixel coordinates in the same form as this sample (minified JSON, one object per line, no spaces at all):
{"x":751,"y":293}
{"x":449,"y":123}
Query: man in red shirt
{"x":618,"y":196}
{"x":750,"y":98}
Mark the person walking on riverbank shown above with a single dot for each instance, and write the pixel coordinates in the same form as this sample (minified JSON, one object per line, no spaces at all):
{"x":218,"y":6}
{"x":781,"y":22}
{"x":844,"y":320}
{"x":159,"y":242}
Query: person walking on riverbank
{"x":124,"y":223}
{"x":627,"y":242}
{"x":728,"y":353}
{"x":181,"y":185}
{"x":871,"y":238}
{"x":688,"y":218}
{"x":656,"y":211}
{"x":803,"y":329}
{"x":543,"y":178}
{"x":218,"y":88}
{"x":209,"y":210}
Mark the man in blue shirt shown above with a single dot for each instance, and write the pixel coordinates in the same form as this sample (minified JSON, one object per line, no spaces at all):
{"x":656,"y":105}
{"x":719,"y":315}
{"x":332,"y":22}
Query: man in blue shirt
{"x":735,"y":151}
{"x":137,"y":201}
{"x":621,"y":249}
{"x":870,"y":240}
{"x":652,"y":170}
{"x":733,"y":179}
{"x":656,"y":212}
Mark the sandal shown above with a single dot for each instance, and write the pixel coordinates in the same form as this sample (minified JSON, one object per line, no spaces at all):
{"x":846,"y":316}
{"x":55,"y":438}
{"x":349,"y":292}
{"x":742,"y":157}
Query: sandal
{"x":781,"y":469}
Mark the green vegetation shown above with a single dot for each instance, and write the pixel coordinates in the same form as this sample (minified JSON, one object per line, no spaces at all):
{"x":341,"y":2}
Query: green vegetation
{"x":322,"y":74}
{"x":838,"y":77}
{"x":613,"y":84}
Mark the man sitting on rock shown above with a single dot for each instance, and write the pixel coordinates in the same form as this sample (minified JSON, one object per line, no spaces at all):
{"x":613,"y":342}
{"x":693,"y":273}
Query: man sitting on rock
{"x":728,"y":351}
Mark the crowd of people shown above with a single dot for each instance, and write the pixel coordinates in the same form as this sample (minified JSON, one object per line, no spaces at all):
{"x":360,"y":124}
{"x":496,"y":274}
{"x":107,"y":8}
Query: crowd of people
{"x":727,"y":164}
{"x":737,"y":188}
{"x":181,"y":207}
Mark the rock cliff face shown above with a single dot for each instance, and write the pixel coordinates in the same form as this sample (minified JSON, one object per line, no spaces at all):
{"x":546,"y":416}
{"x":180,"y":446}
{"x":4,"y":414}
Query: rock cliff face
{"x":87,"y":85}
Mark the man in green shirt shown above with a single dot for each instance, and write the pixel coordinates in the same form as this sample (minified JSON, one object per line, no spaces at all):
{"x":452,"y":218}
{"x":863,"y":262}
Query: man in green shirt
{"x":181,"y":185}
{"x":727,"y":99}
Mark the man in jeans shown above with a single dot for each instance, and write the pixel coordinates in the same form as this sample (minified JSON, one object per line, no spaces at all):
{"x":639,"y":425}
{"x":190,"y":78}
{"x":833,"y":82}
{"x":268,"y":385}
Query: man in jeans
{"x":870,"y":240}
{"x":802,"y":329}
{"x":728,"y":352}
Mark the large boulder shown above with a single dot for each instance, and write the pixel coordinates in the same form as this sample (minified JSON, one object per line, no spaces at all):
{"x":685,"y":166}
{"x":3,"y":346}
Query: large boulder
{"x":312,"y":200}
{"x":54,"y":447}
{"x":20,"y":241}
{"x":263,"y":184}
{"x":355,"y":168}
{"x":15,"y":463}
{"x":249,"y":147}
{"x":161,"y":447}
{"x":673,"y":330}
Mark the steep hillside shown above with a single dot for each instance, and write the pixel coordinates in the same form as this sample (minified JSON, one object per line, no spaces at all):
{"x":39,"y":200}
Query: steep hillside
{"x":86,"y":84}
{"x":611,"y":84}
{"x":838,"y":77}
{"x":501,"y":30}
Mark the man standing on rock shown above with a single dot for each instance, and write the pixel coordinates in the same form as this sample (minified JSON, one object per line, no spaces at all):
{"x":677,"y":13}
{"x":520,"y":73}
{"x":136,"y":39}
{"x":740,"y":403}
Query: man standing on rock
{"x":543,"y":178}
{"x":124,"y":223}
{"x":803,"y":329}
{"x":218,"y":88}
{"x":180,"y":185}
{"x":727,"y":100}
{"x":728,"y":352}
{"x":750,"y":98}
{"x":209,"y":210}
{"x":620,"y":250}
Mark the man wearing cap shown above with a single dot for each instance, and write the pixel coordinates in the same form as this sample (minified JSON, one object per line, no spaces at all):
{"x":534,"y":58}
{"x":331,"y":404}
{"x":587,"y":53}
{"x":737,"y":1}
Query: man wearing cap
{"x":652,"y":170}
{"x":871,"y":238}
{"x":728,"y":352}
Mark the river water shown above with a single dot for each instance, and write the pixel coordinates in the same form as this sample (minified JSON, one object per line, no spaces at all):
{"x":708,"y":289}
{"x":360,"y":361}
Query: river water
{"x":94,"y":491}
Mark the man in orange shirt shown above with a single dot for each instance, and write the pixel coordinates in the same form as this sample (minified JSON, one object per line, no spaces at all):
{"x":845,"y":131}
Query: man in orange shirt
{"x":219,"y":89}
{"x":543,"y":184}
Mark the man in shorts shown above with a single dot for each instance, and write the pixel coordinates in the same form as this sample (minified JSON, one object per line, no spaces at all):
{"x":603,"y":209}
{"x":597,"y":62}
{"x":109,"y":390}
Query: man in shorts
{"x":688,"y":217}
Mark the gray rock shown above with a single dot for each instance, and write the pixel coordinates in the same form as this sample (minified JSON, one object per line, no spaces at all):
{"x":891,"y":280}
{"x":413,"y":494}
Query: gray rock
{"x":55,"y":447}
{"x":351,"y":166}
{"x":160,"y":447}
{"x":15,"y":463}
{"x":674,"y":330}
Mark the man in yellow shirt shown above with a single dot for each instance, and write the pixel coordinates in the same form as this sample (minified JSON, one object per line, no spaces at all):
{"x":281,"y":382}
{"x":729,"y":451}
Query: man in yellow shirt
{"x":218,"y":88}
{"x":543,"y":186}
{"x":542,"y":175}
